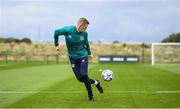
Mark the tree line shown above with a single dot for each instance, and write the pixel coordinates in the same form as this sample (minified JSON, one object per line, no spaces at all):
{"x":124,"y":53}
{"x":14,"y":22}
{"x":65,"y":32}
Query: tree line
{"x":11,"y":39}
{"x":175,"y":37}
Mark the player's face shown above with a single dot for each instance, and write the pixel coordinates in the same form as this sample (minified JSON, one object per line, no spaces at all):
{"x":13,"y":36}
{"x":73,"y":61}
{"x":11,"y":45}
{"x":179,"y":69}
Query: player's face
{"x":82,"y":27}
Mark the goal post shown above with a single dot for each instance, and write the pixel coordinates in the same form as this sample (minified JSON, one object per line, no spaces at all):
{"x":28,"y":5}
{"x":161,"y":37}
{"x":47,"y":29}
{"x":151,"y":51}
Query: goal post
{"x":174,"y":48}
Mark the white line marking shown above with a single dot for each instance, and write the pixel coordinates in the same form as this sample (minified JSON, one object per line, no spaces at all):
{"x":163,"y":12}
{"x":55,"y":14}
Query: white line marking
{"x":144,"y":91}
{"x":88,"y":108}
{"x":167,"y":91}
{"x":73,"y":92}
{"x":44,"y":92}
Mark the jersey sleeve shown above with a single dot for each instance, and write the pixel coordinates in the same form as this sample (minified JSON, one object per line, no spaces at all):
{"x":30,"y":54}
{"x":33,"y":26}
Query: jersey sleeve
{"x":87,"y":44}
{"x":61,"y":31}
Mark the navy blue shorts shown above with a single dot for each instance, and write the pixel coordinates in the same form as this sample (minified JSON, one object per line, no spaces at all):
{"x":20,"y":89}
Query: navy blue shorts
{"x":80,"y":67}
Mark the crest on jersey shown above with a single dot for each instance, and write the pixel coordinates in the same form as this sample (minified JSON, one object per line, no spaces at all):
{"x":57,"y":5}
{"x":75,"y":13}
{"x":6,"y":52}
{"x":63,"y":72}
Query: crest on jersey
{"x":73,"y":65}
{"x":69,"y":36}
{"x":81,"y":38}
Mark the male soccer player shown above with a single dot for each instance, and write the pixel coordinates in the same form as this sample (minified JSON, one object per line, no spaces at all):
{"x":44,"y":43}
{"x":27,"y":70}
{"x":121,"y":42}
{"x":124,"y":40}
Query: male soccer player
{"x":78,"y":50}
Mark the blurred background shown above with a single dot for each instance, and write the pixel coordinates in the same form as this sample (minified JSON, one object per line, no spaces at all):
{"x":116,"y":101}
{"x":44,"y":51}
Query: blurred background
{"x":118,"y":27}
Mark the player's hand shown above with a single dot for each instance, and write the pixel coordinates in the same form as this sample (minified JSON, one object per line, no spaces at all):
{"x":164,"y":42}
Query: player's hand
{"x":57,"y":48}
{"x":91,"y":57}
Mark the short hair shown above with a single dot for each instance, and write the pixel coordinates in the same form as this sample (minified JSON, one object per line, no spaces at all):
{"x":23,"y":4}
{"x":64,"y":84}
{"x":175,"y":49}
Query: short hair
{"x":83,"y":20}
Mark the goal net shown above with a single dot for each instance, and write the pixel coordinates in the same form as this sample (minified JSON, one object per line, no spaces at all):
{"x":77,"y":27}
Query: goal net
{"x":165,"y":53}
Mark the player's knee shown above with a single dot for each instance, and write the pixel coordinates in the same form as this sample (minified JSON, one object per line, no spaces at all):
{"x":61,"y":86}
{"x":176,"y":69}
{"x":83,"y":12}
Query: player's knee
{"x":80,"y":79}
{"x":84,"y":77}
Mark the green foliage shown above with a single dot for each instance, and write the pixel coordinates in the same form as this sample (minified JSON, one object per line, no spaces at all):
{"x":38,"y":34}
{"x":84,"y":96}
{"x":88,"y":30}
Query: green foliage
{"x":27,"y":40}
{"x":172,"y":38}
{"x":15,"y":40}
{"x":115,"y":42}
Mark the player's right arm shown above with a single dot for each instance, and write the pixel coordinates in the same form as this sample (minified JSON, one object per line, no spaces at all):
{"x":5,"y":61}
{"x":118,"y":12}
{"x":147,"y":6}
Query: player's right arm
{"x":61,"y":31}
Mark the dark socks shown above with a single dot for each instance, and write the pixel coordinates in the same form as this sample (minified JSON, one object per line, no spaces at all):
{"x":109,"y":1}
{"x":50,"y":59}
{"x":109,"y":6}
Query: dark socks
{"x":92,"y":81}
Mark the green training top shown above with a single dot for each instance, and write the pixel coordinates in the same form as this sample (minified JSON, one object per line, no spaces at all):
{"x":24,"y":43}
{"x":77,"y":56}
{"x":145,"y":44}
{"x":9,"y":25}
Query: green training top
{"x":77,"y":42}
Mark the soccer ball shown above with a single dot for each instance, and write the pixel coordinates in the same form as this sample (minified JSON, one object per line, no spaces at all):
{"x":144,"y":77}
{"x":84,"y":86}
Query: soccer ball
{"x":107,"y":75}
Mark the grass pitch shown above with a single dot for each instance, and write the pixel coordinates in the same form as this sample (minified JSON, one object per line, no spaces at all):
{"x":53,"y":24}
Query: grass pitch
{"x":55,"y":86}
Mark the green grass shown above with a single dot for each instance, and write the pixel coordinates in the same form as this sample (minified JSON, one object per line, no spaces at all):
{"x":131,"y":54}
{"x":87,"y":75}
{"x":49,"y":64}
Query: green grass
{"x":175,"y":68}
{"x":55,"y":86}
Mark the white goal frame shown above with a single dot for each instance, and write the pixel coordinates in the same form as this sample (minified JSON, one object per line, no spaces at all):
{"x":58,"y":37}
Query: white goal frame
{"x":152,"y":50}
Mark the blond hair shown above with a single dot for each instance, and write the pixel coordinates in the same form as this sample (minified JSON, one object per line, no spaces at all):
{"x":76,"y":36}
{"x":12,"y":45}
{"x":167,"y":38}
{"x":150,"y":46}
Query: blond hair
{"x":83,"y":20}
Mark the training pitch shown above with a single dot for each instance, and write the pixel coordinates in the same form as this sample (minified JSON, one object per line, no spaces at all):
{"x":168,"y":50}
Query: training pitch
{"x":55,"y":86}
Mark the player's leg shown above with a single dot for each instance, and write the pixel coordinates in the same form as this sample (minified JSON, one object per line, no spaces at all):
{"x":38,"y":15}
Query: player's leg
{"x":77,"y":69}
{"x":75,"y":64}
{"x":97,"y":84}
{"x":84,"y":74}
{"x":84,"y":66}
